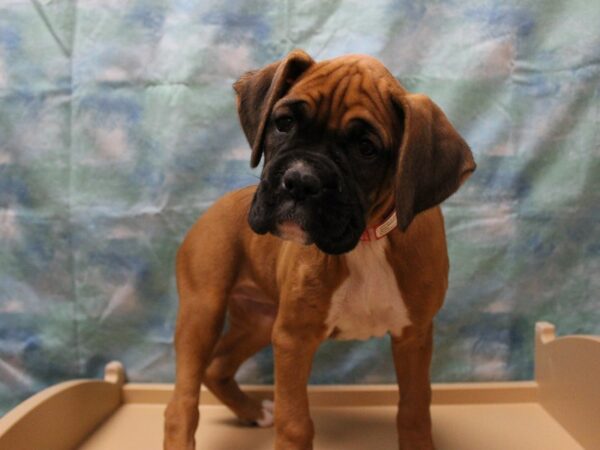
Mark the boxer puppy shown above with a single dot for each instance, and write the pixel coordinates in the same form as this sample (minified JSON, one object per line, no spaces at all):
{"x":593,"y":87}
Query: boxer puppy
{"x":342,"y":238}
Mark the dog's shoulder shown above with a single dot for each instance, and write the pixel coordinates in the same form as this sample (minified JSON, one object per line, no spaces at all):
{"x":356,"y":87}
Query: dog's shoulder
{"x":420,"y":260}
{"x":222,"y":224}
{"x":225,"y":214}
{"x":233,"y":204}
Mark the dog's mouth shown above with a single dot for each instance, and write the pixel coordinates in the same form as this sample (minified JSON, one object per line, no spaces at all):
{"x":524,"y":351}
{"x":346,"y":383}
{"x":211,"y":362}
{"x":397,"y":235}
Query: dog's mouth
{"x":332,"y":231}
{"x":290,"y":212}
{"x":292,"y":226}
{"x":331,"y":218}
{"x":291,"y":231}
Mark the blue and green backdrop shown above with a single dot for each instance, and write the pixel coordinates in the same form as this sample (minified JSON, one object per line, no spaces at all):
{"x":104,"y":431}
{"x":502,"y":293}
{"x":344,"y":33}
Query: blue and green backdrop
{"x":118,"y":129}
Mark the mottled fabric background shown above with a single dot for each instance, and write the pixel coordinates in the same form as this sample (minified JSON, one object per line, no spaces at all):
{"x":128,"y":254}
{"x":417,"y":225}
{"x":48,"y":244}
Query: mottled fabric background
{"x":118,"y":129}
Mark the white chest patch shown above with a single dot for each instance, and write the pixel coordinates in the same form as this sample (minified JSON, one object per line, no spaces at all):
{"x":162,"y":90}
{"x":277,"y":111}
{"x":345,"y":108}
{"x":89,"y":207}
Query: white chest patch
{"x":368,"y":303}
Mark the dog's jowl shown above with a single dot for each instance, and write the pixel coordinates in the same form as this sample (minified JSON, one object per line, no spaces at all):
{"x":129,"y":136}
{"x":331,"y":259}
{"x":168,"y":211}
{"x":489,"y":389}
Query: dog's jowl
{"x":342,"y":238}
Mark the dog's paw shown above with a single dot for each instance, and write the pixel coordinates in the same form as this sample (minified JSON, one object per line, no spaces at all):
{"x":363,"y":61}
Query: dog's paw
{"x":268,"y":410}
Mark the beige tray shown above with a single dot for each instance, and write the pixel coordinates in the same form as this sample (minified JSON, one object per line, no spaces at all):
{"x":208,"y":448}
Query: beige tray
{"x":559,"y":410}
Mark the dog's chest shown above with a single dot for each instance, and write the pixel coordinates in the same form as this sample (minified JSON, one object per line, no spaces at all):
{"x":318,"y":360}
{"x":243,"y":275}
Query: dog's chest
{"x":368,"y":303}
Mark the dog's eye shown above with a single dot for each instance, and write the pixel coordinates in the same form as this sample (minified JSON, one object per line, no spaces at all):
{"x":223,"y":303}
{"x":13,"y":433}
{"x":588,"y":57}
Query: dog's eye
{"x":284,"y":123}
{"x":367,"y":149}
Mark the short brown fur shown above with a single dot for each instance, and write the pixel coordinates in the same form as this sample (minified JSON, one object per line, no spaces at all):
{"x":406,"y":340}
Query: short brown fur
{"x":280,"y":292}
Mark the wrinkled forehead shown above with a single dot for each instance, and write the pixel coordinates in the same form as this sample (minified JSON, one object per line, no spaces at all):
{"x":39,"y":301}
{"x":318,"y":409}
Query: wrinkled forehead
{"x":346,"y":89}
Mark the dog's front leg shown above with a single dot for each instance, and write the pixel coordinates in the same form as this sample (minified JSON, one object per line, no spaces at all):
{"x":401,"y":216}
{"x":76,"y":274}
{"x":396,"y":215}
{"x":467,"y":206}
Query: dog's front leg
{"x":196,"y":335}
{"x":294,"y":346}
{"x":412,"y":359}
{"x":200,"y":318}
{"x":293,"y":361}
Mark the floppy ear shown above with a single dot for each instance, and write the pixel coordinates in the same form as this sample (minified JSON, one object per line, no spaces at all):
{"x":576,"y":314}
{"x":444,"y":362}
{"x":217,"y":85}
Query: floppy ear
{"x":433,"y":160}
{"x":258,"y":90}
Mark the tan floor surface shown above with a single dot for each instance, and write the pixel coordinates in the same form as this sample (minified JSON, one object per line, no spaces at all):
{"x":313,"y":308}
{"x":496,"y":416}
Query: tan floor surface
{"x":466,"y":416}
{"x":517,"y":426}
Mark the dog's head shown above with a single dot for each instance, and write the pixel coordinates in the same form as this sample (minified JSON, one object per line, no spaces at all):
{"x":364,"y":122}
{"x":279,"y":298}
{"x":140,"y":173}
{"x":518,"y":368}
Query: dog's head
{"x":344,"y":144}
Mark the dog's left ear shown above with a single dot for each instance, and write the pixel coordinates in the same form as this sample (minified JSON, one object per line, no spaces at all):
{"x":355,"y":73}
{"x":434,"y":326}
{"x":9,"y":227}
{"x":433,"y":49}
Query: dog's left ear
{"x":433,"y":160}
{"x":258,"y":91}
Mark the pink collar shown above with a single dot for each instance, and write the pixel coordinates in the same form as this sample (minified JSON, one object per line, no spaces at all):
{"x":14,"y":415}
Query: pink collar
{"x":376,"y":233}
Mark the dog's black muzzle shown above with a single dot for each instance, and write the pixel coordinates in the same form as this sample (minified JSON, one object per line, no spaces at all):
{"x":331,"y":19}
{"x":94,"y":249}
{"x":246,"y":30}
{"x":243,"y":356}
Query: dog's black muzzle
{"x":310,"y":193}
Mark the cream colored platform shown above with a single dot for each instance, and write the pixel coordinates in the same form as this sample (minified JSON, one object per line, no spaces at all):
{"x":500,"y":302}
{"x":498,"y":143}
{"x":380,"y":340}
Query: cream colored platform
{"x":559,"y":410}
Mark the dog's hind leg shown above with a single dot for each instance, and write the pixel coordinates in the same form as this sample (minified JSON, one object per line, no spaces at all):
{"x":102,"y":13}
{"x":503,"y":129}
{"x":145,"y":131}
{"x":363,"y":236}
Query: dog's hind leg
{"x":249,"y":331}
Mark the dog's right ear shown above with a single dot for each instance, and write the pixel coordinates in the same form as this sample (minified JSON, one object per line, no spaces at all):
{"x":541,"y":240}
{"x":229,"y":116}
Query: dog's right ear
{"x":258,"y":90}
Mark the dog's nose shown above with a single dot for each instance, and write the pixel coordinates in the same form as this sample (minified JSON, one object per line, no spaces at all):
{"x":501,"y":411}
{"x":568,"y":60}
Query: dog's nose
{"x":300,"y":183}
